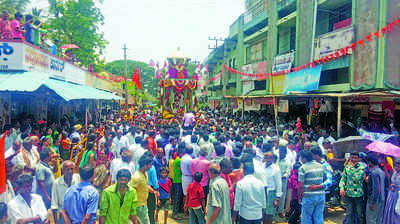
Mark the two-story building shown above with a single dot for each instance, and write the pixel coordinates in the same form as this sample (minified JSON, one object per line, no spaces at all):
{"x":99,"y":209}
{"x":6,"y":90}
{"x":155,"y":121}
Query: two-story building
{"x":37,"y":84}
{"x":276,"y":35}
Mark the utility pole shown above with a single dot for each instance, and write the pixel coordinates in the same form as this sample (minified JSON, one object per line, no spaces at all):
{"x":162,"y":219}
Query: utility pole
{"x":216,"y":42}
{"x":126,"y":79}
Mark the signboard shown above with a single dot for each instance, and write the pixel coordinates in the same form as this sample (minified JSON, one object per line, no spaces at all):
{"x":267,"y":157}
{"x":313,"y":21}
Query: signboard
{"x":283,"y":106}
{"x":251,"y":104}
{"x":277,"y":84}
{"x":283,"y":62}
{"x":17,"y":56}
{"x":248,"y":85}
{"x":10,"y":56}
{"x":260,"y":67}
{"x":303,"y":80}
{"x":336,"y":40}
{"x":266,"y":101}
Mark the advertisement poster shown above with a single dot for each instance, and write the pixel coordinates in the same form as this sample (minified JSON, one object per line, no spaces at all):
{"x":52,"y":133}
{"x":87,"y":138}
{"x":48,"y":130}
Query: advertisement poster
{"x":303,"y":80}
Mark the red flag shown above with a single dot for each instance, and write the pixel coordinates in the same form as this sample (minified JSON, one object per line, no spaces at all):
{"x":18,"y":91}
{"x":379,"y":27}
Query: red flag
{"x":3,"y":179}
{"x":136,"y":78}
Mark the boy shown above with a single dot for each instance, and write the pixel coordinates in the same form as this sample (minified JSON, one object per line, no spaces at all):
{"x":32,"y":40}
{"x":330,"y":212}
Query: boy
{"x":195,"y":200}
{"x":163,"y":203}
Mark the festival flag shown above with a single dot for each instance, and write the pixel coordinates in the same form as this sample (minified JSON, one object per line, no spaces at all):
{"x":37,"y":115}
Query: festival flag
{"x":207,"y":68}
{"x":3,"y":179}
{"x":136,"y":78}
{"x":165,"y":64}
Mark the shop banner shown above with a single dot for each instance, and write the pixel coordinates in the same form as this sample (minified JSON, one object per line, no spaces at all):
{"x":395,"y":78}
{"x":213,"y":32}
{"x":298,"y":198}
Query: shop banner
{"x":303,"y":80}
{"x":334,"y":41}
{"x":283,"y":106}
{"x":266,"y":101}
{"x":18,"y":56}
{"x":277,"y":84}
{"x":251,"y":104}
{"x":283,"y":62}
{"x":248,"y":85}
{"x":11,"y":56}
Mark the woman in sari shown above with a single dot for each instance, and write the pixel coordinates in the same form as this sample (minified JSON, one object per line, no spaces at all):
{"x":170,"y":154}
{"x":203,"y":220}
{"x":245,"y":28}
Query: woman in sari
{"x":390,"y":215}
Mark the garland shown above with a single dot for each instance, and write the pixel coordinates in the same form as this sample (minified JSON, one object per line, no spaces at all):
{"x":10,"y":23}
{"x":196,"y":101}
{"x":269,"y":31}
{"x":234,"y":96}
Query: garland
{"x":324,"y":60}
{"x":179,"y":85}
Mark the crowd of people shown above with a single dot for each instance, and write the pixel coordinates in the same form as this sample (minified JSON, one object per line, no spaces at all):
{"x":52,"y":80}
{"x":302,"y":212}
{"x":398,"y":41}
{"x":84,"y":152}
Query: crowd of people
{"x":209,"y":168}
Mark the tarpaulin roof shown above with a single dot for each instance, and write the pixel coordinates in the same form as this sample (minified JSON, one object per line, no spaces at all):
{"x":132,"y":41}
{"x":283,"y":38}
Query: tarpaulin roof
{"x":32,"y":81}
{"x":70,"y":91}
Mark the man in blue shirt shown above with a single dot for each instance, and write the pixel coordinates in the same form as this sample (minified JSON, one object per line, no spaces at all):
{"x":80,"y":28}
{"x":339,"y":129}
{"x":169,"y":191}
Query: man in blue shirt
{"x":54,"y":47}
{"x":29,"y":29}
{"x":81,"y":200}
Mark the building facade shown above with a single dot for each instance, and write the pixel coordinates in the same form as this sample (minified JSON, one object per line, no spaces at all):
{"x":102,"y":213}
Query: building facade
{"x":274,"y":35}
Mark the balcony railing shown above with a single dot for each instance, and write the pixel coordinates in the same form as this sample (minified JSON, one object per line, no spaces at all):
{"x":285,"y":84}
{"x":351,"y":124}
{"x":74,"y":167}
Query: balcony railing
{"x":256,"y":11}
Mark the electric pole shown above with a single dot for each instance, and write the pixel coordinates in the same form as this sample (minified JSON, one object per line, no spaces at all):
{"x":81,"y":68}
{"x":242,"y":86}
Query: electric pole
{"x":126,"y":79}
{"x":216,"y":42}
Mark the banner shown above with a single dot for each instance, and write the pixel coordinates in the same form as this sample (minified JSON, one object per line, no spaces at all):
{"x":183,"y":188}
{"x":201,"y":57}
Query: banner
{"x":283,"y":62}
{"x":248,"y":86}
{"x":334,"y":41}
{"x":11,"y":56}
{"x":277,"y":84}
{"x":266,"y":101}
{"x":303,"y":80}
{"x":283,"y":106}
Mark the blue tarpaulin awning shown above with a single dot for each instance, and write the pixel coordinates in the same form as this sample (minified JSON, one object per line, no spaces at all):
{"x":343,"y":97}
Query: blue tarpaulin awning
{"x":32,"y":81}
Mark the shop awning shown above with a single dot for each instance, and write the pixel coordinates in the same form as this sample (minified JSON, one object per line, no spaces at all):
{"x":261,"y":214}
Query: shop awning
{"x":32,"y":81}
{"x":21,"y":82}
{"x":70,"y":91}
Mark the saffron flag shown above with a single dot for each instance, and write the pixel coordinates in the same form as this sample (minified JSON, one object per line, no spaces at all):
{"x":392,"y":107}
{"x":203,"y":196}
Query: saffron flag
{"x":3,"y":179}
{"x":136,"y":78}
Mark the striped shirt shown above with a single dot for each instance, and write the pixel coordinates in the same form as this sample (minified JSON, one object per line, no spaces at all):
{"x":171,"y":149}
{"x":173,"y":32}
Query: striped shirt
{"x":312,"y":173}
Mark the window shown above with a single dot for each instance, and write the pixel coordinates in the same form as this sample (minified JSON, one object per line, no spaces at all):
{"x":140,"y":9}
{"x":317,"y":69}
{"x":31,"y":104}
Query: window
{"x":293,"y":38}
{"x":254,"y":53}
{"x":334,"y":76}
{"x":339,"y":14}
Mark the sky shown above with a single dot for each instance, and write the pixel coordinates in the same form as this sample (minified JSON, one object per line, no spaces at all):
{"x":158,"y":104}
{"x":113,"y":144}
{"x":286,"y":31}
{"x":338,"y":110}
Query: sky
{"x":154,"y":29}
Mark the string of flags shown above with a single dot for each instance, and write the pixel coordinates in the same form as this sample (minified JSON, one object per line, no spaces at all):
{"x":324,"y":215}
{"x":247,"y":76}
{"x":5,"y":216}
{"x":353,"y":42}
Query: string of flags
{"x":386,"y":30}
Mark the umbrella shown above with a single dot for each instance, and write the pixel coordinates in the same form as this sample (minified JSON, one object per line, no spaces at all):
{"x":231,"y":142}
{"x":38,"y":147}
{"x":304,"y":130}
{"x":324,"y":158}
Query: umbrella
{"x":351,"y":144}
{"x":69,"y":46}
{"x":384,"y":148}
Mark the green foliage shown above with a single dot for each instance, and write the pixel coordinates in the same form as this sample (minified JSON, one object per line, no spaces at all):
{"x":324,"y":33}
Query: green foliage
{"x":117,"y":67}
{"x":13,"y":6}
{"x":78,"y":22}
{"x":37,"y":13}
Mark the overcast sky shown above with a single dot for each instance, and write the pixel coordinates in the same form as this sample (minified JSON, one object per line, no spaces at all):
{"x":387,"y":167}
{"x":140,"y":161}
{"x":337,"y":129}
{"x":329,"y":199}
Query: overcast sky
{"x":153,"y":29}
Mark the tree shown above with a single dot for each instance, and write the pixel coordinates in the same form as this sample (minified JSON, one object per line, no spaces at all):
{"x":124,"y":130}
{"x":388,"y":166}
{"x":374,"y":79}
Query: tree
{"x":13,"y":6}
{"x":147,"y":78}
{"x":36,"y":12}
{"x":78,"y":22}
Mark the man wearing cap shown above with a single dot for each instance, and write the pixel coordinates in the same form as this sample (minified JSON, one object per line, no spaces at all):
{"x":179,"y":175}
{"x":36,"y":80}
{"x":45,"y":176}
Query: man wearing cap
{"x":76,"y":133}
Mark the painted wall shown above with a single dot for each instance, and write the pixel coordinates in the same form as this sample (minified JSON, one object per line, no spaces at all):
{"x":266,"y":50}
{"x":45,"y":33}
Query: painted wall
{"x":392,"y":66}
{"x":365,"y":19}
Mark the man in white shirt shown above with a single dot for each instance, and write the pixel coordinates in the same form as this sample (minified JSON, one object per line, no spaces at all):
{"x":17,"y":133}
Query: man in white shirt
{"x":120,"y":142}
{"x":249,"y":197}
{"x":125,"y":162}
{"x":9,"y":194}
{"x":170,"y":147}
{"x":26,"y":207}
{"x":271,"y":176}
{"x":61,"y":186}
{"x":325,"y":137}
{"x":28,"y":157}
{"x":137,"y":150}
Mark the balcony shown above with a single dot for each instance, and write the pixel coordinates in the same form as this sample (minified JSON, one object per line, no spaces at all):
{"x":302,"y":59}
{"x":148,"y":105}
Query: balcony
{"x":255,"y":17}
{"x":286,"y":5}
{"x":234,"y":29}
